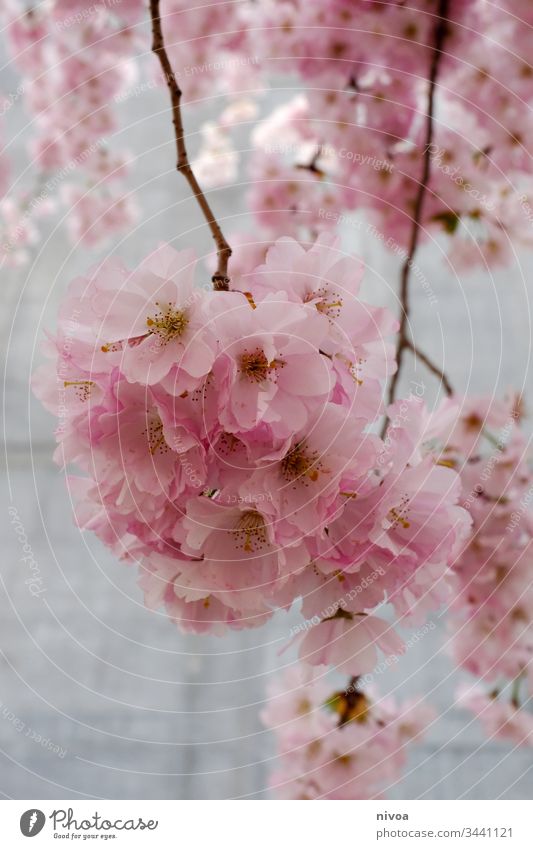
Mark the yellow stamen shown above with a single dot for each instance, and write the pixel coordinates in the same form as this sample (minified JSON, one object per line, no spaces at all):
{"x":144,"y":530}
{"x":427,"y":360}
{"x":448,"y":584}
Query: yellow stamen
{"x":398,"y":515}
{"x":250,"y":533}
{"x":256,"y":367}
{"x":301,"y":463}
{"x":328,"y":303}
{"x":155,"y":436}
{"x":83,"y":387}
{"x":112,"y":346}
{"x":168,"y":323}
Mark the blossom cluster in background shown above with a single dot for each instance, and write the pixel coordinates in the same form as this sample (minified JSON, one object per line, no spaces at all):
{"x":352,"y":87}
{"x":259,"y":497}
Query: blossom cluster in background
{"x":346,"y":744}
{"x":74,"y":60}
{"x":353,"y":136}
{"x":351,"y":139}
{"x":488,"y":612}
{"x":491,"y":619}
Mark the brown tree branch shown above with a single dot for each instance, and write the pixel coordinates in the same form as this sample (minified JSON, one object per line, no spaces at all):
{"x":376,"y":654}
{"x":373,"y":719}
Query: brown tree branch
{"x":430,"y":365}
{"x":403,"y":335}
{"x":220,"y":277}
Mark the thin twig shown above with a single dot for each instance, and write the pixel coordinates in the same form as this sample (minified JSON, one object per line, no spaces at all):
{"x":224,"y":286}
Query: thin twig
{"x":403,"y":336}
{"x":220,"y":277}
{"x":430,"y":365}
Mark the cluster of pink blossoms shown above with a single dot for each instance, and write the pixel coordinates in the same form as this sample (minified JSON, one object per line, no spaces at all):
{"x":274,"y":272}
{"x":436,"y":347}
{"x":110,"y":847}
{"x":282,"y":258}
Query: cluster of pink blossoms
{"x":491,"y":594}
{"x":75,"y":61}
{"x":354,"y":138}
{"x":226,"y":443}
{"x":206,"y":44}
{"x":341,"y":745}
{"x":491,"y":617}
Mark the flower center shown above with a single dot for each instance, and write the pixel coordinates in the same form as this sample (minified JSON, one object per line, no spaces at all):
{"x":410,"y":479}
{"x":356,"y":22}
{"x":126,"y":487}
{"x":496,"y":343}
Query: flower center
{"x":168,"y":322}
{"x":301,"y":463}
{"x":473,"y":422}
{"x":255,"y":366}
{"x":328,"y":303}
{"x":250,"y":533}
{"x":350,"y":705}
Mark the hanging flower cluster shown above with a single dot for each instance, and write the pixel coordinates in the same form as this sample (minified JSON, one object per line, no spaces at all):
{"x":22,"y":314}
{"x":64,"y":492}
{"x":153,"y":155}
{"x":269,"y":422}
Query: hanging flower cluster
{"x":489,"y":587}
{"x":226,"y":443}
{"x":348,"y":744}
{"x":492,"y":617}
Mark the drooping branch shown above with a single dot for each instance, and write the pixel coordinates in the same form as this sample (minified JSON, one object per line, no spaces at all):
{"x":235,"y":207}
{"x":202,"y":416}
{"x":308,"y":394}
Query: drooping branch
{"x":220,"y":277}
{"x":404,"y":341}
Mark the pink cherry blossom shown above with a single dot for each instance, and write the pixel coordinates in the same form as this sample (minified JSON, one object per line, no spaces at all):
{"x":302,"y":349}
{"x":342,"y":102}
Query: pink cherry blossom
{"x":155,"y":322}
{"x":349,"y":643}
{"x":499,"y":717}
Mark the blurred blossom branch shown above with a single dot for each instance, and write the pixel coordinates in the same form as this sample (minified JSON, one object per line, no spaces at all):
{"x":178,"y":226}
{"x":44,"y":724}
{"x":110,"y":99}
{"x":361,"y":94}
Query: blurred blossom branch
{"x":404,"y":342}
{"x":220,"y":277}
